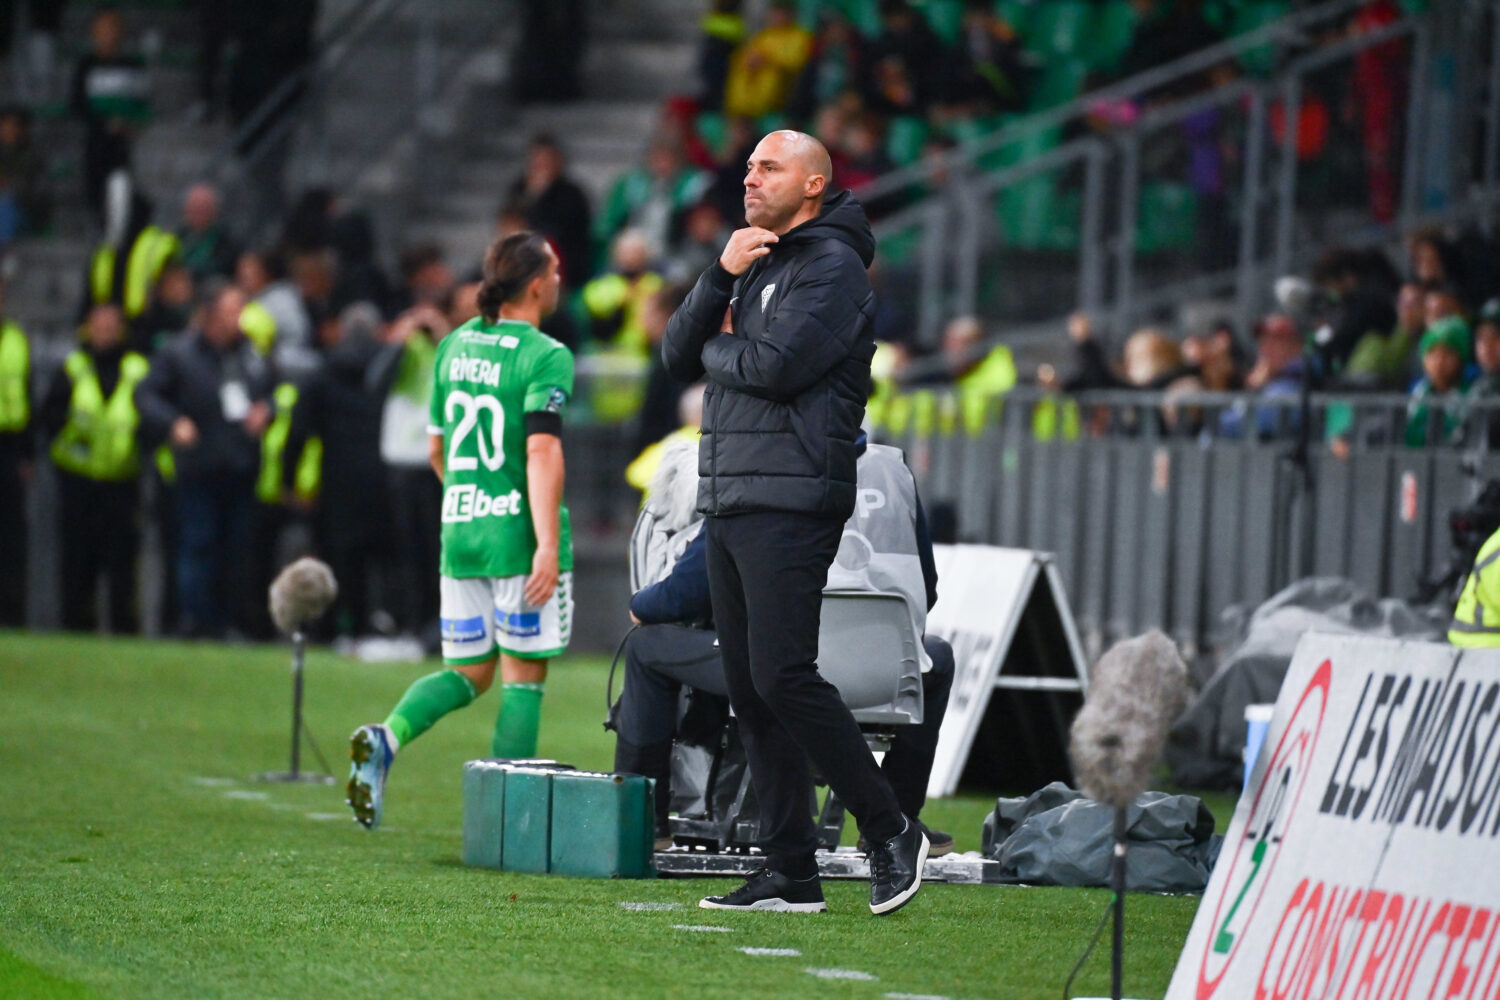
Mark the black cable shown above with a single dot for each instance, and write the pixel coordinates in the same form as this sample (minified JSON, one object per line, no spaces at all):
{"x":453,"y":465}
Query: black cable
{"x":1098,"y":931}
{"x":307,"y":731}
{"x":609,"y":685}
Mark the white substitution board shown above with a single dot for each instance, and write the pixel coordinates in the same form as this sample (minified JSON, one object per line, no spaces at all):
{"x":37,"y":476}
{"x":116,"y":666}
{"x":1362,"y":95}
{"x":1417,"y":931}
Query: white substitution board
{"x":1363,"y":859}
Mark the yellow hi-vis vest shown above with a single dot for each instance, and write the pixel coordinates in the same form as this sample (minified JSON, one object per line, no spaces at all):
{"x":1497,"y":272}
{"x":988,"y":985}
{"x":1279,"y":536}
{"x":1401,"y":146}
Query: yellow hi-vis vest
{"x":98,"y":441}
{"x":1476,"y":620}
{"x":259,"y":327}
{"x":309,"y":478}
{"x":149,"y":254}
{"x":15,"y":373}
{"x":992,"y":377}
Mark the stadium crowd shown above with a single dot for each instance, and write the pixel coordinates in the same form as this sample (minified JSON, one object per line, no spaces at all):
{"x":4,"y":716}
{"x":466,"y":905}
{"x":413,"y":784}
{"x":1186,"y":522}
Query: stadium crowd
{"x":274,"y":396}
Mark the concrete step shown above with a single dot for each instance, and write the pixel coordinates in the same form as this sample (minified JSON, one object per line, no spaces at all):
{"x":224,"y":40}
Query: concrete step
{"x":668,"y":20}
{"x":635,"y":69}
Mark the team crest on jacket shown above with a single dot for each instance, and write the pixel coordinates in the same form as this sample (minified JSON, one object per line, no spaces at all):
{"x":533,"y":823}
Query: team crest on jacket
{"x":765,"y":295}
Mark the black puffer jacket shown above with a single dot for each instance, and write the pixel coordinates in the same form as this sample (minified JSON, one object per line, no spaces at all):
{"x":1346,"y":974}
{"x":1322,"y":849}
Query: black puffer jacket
{"x":787,"y":390}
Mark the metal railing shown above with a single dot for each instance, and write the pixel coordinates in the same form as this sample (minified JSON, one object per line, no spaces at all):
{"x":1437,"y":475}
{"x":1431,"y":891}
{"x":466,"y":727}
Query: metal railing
{"x":1164,"y":510}
{"x":1028,"y":224}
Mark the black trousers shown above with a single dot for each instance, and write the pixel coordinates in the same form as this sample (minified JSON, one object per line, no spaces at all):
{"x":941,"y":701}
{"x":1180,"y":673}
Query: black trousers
{"x":100,"y":535}
{"x":416,"y":525}
{"x":13,"y":538}
{"x":766,"y":572}
{"x":660,"y":659}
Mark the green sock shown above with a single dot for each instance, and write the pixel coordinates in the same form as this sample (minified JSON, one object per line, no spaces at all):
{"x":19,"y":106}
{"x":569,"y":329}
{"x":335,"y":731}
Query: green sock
{"x":519,"y":719}
{"x":428,"y":700}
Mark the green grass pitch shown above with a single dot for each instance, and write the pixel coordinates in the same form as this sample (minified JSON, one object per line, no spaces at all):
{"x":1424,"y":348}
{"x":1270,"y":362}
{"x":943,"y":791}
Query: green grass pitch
{"x":138,"y":858}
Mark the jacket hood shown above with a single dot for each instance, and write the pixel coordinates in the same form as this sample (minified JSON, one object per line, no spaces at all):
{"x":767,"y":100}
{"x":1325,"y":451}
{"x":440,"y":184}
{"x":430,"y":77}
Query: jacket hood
{"x":674,"y":488}
{"x":843,"y":219}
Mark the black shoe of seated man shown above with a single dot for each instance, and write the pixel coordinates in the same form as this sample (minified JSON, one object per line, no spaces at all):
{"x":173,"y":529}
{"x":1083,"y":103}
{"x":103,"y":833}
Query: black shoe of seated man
{"x":770,"y":890}
{"x":938,"y":842}
{"x":896,"y":869}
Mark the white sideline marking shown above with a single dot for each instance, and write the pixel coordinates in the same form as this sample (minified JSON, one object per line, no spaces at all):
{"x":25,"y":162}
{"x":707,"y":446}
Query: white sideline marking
{"x":649,"y":907}
{"x":773,"y":952}
{"x":841,"y":974}
{"x":325,"y":817}
{"x":702,"y":927}
{"x":915,"y":996}
{"x":240,"y":793}
{"x":214,"y":782}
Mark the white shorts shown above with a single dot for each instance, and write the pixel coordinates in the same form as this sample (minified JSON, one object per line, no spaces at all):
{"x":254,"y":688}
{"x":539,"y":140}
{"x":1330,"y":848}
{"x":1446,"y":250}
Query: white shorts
{"x":483,"y":613}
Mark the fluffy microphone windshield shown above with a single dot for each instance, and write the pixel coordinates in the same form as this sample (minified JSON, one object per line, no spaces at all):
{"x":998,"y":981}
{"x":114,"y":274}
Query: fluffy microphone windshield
{"x":302,"y":592}
{"x":1138,"y":688}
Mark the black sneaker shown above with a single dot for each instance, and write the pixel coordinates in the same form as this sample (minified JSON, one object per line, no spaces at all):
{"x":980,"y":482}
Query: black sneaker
{"x":769,"y":890}
{"x":938,"y":842}
{"x":896,"y":869}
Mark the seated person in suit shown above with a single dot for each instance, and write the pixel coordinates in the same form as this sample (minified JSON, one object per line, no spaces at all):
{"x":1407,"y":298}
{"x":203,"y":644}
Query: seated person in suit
{"x":886,"y":547}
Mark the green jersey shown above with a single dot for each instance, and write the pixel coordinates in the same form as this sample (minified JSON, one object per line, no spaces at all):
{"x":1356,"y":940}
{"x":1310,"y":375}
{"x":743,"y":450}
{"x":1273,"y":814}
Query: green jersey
{"x":486,"y":379}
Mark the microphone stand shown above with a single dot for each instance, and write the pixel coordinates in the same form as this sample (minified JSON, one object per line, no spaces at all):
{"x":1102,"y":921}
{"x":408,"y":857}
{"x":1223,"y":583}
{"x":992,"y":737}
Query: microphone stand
{"x":1117,"y":884}
{"x":296,"y":775}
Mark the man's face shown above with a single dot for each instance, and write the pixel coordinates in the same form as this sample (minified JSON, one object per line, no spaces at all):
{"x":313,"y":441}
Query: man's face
{"x":544,"y":163}
{"x":106,"y":33}
{"x":1487,"y":346}
{"x":1442,"y":366}
{"x":776,"y":184}
{"x":106,"y":327}
{"x":551,"y":284}
{"x":1441,"y":305}
{"x":223,"y":327}
{"x":250,"y":273}
{"x":1411,"y":308}
{"x":200,"y":208}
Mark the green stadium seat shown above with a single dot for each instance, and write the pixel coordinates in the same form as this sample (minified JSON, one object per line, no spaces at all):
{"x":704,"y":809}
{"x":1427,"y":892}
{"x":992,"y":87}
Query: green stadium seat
{"x":712,"y":127}
{"x":1114,"y":27}
{"x":863,"y":14}
{"x":945,"y":17}
{"x":1167,"y":218}
{"x":1061,"y":80}
{"x":1059,"y":28}
{"x":904,"y":139}
{"x":900,"y":247}
{"x":1219,"y":13}
{"x":770,"y":123}
{"x":1024,"y":213}
{"x":1016,"y":13}
{"x":1248,"y":17}
{"x":808,"y":12}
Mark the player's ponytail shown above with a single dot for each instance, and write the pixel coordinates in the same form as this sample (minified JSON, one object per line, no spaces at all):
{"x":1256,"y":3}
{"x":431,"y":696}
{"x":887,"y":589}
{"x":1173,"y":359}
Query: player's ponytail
{"x":509,"y":266}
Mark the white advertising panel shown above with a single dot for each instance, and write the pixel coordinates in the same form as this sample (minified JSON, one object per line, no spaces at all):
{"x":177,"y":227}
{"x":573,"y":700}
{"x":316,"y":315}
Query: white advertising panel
{"x":1363,"y":859}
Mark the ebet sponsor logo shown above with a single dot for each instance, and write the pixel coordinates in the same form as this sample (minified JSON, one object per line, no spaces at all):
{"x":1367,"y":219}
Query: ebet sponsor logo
{"x":462,"y":503}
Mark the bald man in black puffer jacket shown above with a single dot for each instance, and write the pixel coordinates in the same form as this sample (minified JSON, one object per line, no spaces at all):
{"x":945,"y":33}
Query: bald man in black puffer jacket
{"x":787,"y":383}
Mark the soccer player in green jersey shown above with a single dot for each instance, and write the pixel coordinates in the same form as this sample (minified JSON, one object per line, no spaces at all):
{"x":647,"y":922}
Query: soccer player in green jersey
{"x":499,"y":390}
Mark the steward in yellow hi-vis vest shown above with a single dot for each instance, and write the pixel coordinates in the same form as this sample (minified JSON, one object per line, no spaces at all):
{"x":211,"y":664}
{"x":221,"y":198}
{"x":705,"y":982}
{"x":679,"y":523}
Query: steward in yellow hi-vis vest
{"x":16,"y":448}
{"x":90,"y":417}
{"x":126,"y":276}
{"x":1476,"y":620}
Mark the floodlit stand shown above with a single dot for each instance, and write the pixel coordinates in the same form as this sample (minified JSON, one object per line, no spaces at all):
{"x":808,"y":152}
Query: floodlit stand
{"x":296,"y":775}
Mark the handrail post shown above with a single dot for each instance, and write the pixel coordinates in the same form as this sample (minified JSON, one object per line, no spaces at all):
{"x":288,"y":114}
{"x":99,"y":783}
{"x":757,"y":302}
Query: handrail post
{"x":1125,"y":235}
{"x":1411,"y":175}
{"x":934,"y":254}
{"x":1091,"y":259}
{"x":1286,"y":185}
{"x":1248,"y":295}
